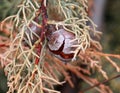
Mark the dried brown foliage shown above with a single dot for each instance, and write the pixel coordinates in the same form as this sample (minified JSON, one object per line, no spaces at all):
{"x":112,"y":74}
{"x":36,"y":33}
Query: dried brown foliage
{"x":24,"y":76}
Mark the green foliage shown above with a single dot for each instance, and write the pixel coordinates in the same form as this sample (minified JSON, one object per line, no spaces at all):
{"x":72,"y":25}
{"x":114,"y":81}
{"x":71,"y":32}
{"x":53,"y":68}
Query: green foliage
{"x":8,"y":7}
{"x":112,"y":18}
{"x":23,"y":74}
{"x":3,"y":82}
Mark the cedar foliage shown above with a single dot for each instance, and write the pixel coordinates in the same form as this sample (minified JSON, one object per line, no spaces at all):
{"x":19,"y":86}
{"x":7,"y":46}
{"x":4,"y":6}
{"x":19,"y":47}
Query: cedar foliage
{"x":18,"y":60}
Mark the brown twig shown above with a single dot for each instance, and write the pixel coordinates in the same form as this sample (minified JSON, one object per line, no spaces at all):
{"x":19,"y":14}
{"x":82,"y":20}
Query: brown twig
{"x":98,"y":84}
{"x":43,"y":12}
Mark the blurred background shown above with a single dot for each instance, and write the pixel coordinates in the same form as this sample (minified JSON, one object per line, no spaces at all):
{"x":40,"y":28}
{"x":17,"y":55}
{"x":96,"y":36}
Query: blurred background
{"x":106,"y":14}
